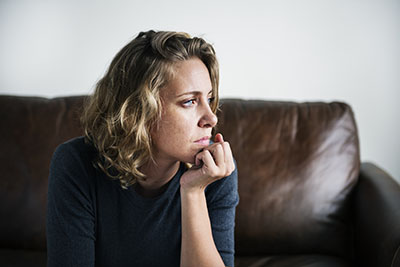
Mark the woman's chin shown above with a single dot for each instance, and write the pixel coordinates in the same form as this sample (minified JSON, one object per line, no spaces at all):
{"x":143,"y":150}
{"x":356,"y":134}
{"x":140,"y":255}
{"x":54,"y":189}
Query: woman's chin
{"x":190,"y":158}
{"x":190,"y":161}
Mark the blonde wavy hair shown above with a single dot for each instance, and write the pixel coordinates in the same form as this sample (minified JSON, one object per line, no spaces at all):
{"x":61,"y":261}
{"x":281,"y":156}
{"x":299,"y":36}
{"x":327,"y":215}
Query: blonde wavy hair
{"x":126,"y":105}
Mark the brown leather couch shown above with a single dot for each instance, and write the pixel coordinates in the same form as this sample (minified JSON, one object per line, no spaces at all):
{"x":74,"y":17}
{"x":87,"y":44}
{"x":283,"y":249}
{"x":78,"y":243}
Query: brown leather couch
{"x":305,"y":199}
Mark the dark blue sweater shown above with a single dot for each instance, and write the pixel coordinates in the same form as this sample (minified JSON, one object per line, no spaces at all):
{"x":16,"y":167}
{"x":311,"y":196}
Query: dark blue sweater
{"x":92,"y":221}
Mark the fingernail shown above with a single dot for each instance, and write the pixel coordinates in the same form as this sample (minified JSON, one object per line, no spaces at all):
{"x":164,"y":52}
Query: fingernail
{"x":222,"y":138}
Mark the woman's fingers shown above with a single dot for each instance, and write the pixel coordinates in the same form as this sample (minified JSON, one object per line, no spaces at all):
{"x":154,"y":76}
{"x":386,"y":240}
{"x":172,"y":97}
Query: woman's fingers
{"x":212,"y":163}
{"x":222,"y":156}
{"x":209,"y":164}
{"x":228,"y":157}
{"x":219,"y":155}
{"x":216,"y":152}
{"x":197,"y":160}
{"x":219,"y":138}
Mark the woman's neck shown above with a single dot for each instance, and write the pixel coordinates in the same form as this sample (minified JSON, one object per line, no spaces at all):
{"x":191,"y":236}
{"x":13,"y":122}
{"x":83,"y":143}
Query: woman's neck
{"x":157,"y":177}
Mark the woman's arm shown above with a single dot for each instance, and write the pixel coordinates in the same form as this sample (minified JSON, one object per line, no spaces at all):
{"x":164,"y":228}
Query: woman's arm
{"x":198,"y":247}
{"x":70,"y":215}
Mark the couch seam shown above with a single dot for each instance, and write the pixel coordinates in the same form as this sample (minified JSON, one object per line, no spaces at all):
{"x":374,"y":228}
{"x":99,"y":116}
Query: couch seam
{"x":395,"y":256}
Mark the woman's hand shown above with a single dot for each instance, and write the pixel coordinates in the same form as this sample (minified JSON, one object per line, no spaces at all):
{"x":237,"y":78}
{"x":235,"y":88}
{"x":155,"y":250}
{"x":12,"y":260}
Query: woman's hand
{"x":213,"y":163}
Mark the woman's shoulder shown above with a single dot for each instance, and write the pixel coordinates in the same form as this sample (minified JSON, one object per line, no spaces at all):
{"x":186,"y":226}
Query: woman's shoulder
{"x":77,"y":147}
{"x":76,"y":153}
{"x":72,"y":165}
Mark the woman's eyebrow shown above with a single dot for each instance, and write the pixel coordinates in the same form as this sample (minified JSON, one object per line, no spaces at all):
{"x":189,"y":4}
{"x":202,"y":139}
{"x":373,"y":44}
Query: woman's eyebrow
{"x":194,"y":93}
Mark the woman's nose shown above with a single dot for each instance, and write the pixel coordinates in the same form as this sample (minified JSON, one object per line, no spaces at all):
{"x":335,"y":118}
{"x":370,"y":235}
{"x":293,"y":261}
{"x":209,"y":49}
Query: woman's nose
{"x":208,"y":118}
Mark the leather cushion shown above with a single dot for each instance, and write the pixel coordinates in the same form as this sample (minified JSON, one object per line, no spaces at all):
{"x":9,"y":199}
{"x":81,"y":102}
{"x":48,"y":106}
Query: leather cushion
{"x":311,"y":260}
{"x":31,"y":129}
{"x":23,"y":258}
{"x":297,"y":163}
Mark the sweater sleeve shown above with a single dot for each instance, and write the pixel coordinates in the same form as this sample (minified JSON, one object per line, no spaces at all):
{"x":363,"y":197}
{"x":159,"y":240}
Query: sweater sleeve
{"x":70,"y":211}
{"x":222,"y":199}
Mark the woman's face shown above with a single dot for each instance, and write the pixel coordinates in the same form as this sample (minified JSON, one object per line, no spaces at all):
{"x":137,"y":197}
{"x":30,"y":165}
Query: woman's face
{"x":187,"y":119}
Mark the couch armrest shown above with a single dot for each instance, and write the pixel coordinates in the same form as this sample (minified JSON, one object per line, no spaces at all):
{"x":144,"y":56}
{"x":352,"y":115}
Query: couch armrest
{"x":377,"y":218}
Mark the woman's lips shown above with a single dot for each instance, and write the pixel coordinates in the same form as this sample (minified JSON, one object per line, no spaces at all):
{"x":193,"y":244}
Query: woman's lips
{"x":205,"y":141}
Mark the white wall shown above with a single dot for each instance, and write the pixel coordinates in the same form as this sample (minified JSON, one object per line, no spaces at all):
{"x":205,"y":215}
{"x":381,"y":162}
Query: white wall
{"x":347,"y":50}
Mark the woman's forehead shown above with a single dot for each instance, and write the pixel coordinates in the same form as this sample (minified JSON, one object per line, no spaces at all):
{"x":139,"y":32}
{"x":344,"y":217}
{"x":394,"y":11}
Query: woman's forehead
{"x":190,"y":77}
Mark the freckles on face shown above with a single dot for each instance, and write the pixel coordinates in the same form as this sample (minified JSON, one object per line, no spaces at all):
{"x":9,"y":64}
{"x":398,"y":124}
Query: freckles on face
{"x":176,"y":125}
{"x":186,"y":114}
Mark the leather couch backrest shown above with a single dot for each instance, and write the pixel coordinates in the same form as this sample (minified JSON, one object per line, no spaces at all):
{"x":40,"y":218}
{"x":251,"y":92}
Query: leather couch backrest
{"x":297,"y":164}
{"x":31,"y":128}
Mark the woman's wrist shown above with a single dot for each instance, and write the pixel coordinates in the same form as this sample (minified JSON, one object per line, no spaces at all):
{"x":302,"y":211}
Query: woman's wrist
{"x":192,"y":192}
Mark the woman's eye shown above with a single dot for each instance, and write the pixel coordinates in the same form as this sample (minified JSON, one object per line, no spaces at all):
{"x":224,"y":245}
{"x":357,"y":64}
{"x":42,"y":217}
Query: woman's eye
{"x":211,"y":99}
{"x":189,"y":103}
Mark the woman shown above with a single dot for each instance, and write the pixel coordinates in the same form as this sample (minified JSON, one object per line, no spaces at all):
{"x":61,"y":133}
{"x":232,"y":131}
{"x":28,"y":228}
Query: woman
{"x":146,"y":186}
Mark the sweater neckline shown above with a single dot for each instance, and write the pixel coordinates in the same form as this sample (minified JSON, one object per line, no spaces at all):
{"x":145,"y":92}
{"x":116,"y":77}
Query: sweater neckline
{"x":170,"y":186}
